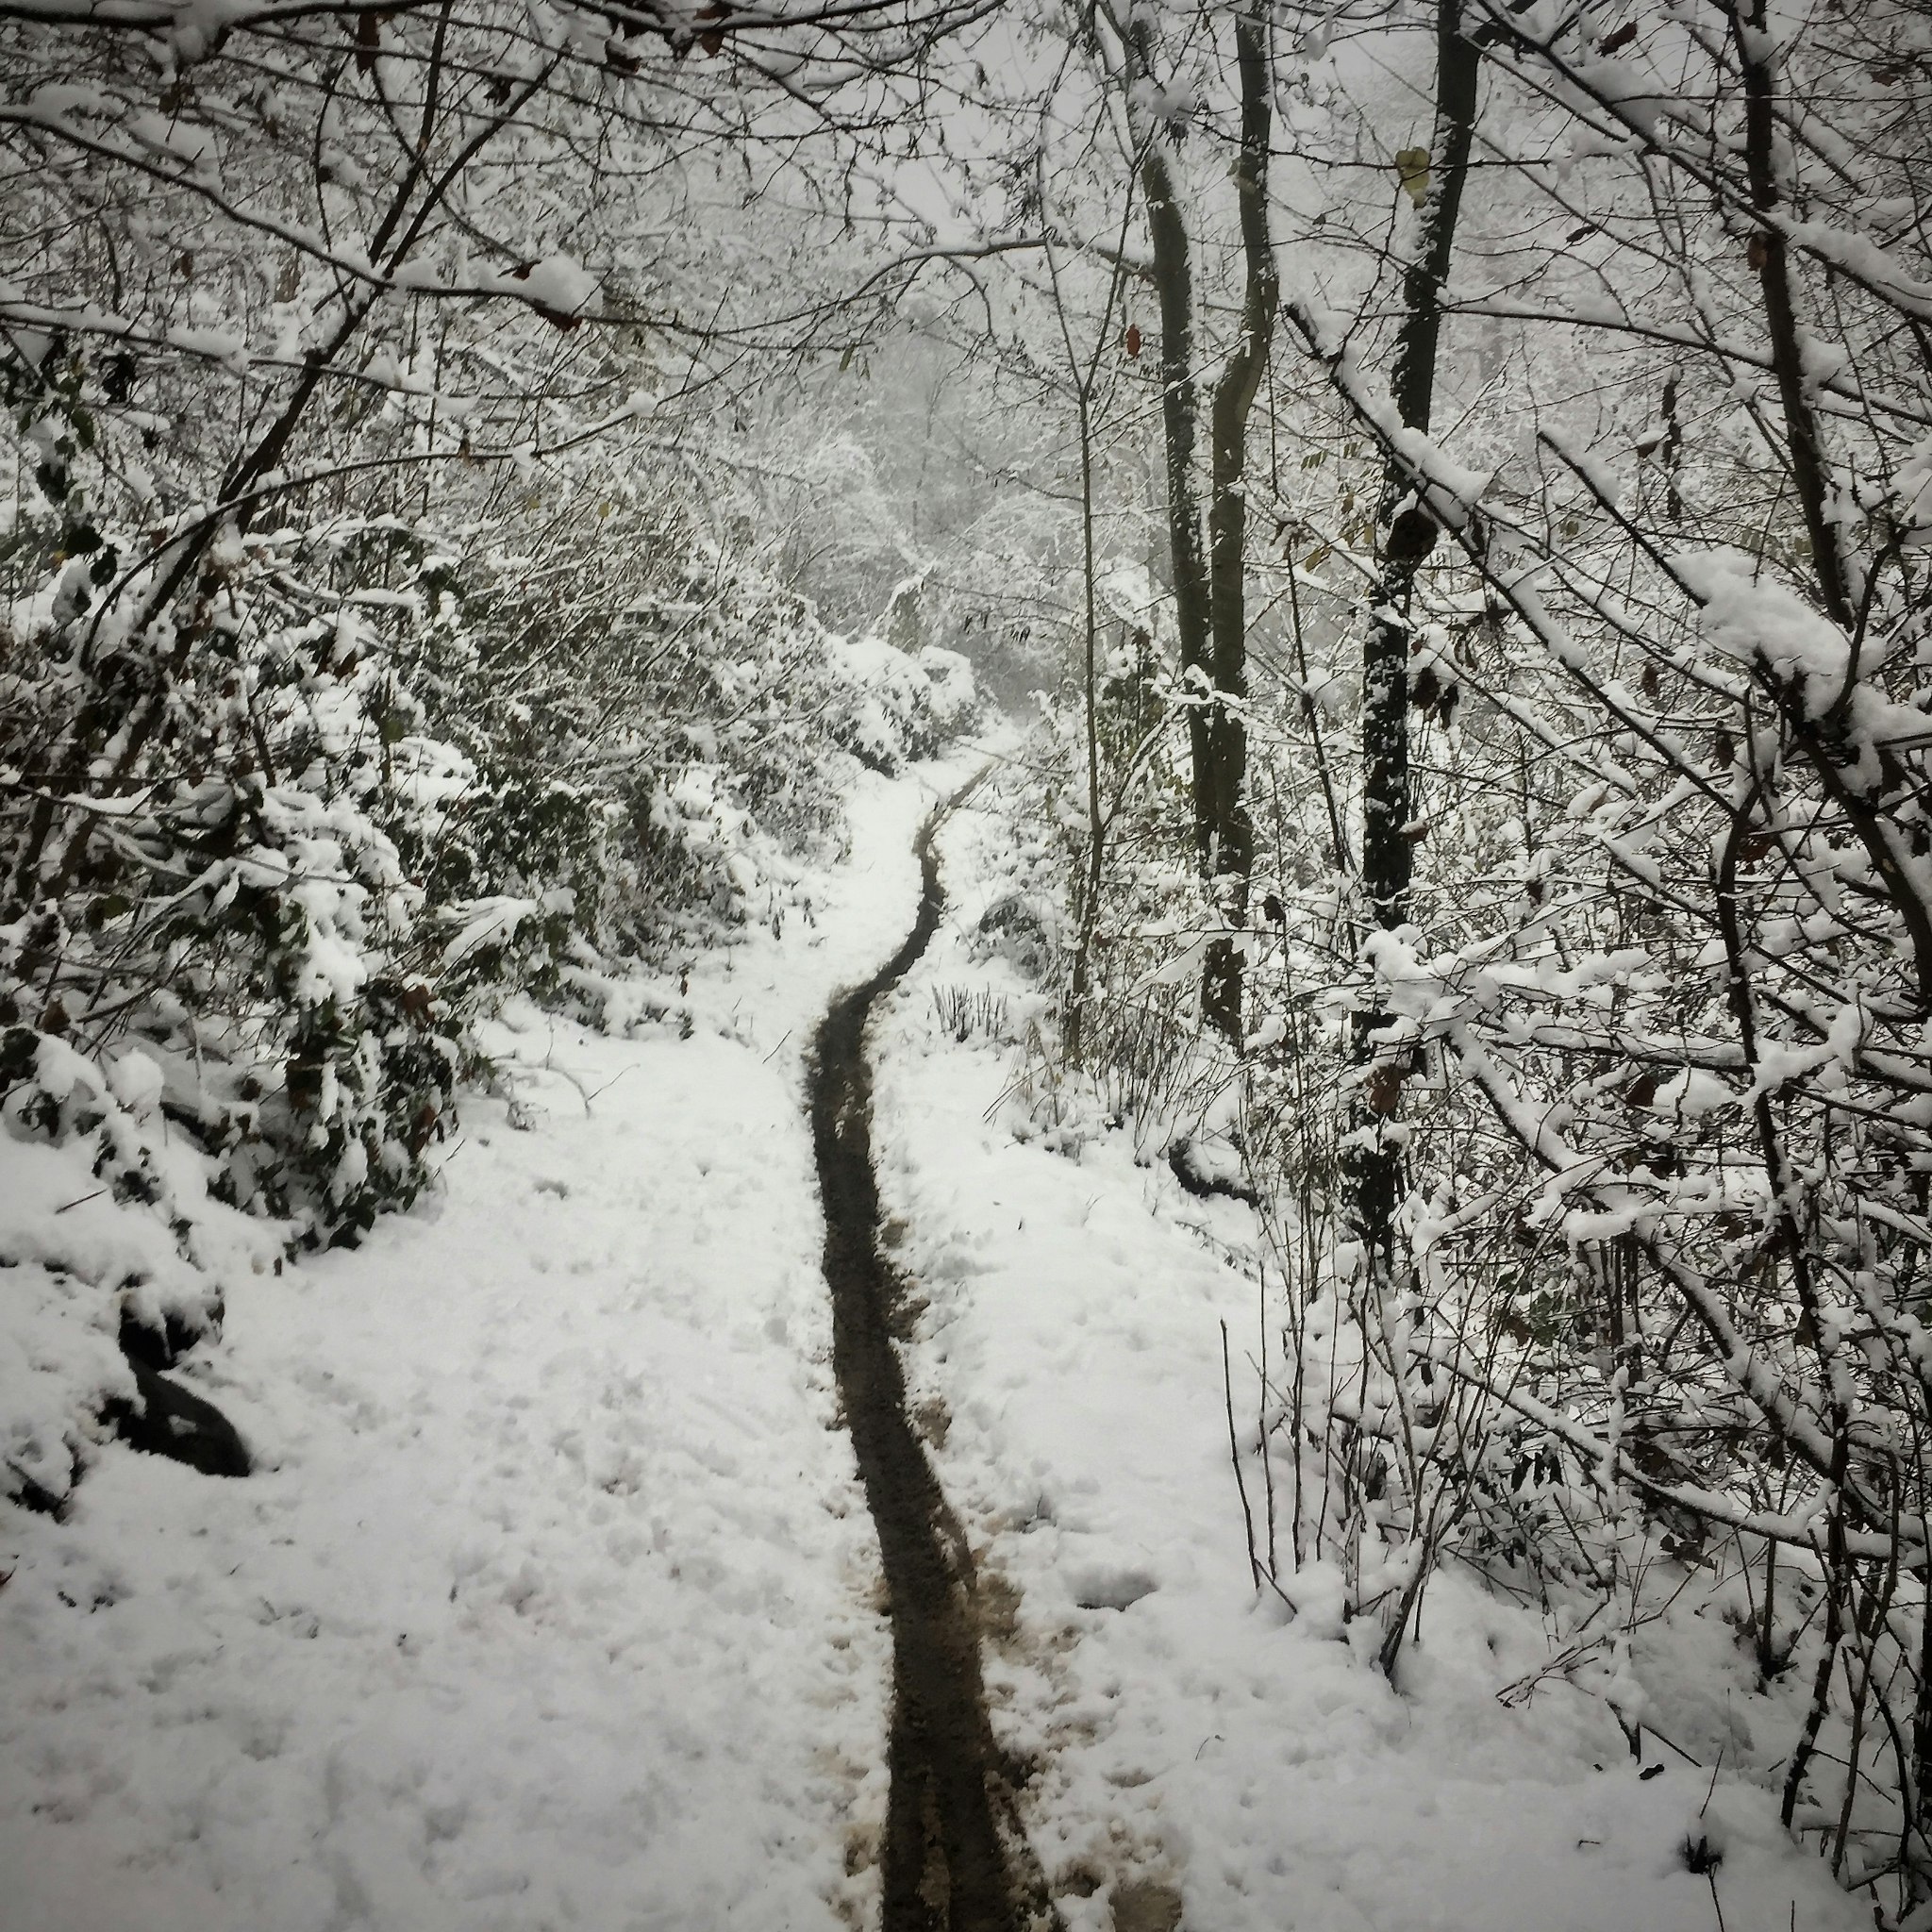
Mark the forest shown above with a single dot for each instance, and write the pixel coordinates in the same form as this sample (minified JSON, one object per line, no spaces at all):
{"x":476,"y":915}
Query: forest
{"x":1417,"y":517}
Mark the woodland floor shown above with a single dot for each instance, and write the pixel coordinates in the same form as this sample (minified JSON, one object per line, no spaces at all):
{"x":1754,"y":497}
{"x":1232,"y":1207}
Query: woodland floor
{"x":555,"y":1600}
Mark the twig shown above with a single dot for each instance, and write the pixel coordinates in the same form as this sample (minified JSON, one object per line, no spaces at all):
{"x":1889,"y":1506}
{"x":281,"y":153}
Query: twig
{"x":1234,"y":1451}
{"x":1267,"y":1460}
{"x":1712,"y":1786}
{"x":597,"y":1093}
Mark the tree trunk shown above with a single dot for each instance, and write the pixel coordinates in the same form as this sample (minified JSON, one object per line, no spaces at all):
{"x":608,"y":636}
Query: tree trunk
{"x":1180,"y":414}
{"x":1408,"y":537}
{"x":1232,"y":850}
{"x":1209,"y":595}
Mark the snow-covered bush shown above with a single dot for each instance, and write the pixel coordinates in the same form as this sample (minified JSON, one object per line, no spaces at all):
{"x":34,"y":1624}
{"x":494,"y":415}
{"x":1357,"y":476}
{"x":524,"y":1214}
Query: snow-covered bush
{"x":888,"y":704}
{"x":356,"y":789}
{"x":679,"y":719}
{"x":334,"y":830}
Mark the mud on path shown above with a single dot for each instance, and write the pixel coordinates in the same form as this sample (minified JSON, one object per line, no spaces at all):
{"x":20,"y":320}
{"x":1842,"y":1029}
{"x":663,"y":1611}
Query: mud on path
{"x":955,"y":1859}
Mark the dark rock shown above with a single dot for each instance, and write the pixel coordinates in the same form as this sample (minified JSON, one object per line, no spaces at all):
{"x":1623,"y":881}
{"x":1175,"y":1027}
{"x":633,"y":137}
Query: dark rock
{"x":1204,"y":1186}
{"x":171,"y":1422}
{"x":162,"y":1349}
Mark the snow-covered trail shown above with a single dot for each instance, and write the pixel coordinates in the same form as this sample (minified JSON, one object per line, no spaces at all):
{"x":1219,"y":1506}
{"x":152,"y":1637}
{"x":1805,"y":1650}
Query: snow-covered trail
{"x":953,"y":1853}
{"x":553,"y":1600}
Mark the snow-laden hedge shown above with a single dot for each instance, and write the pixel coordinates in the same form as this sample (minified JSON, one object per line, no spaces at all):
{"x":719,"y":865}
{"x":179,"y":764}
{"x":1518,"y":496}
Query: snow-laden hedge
{"x":370,"y":787}
{"x":899,"y":704}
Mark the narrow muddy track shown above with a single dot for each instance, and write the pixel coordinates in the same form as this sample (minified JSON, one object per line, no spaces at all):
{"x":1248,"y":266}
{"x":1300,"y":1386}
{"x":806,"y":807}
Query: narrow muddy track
{"x":953,"y":1859}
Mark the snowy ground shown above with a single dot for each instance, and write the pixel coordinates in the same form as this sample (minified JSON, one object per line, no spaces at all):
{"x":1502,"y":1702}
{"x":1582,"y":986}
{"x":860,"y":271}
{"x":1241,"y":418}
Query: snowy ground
{"x":1192,"y":1740}
{"x":553,"y":1602}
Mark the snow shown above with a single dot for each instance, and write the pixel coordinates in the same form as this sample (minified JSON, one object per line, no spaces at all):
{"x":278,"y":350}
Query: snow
{"x":136,"y":1082}
{"x":552,"y":1600}
{"x":559,"y":285}
{"x":1754,"y":620}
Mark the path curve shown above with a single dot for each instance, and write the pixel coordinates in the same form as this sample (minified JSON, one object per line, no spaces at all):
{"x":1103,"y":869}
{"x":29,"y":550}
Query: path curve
{"x":953,"y":1859}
